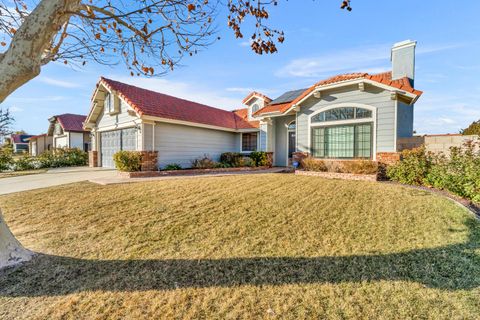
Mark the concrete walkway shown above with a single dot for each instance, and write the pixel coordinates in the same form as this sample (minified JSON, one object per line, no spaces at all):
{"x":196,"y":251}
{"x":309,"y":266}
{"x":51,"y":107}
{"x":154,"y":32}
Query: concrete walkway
{"x":115,"y":179}
{"x":53,"y":177}
{"x":59,"y":176}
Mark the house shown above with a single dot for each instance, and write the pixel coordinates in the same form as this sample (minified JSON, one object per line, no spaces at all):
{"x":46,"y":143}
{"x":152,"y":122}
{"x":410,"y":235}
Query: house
{"x":40,"y":143}
{"x":67,"y":131}
{"x":20,"y":142}
{"x":348,"y":116}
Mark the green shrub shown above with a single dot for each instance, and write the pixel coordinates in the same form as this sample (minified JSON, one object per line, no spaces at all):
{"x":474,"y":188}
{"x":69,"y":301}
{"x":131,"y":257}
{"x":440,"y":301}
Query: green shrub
{"x":413,"y":167}
{"x":232,"y":159}
{"x":62,"y":157}
{"x":205,"y":162}
{"x":6,"y":160}
{"x":260,"y":158}
{"x":458,"y":172}
{"x":25,"y":162}
{"x":312,"y":164}
{"x":173,"y":166}
{"x":247,"y":162}
{"x":128,"y":161}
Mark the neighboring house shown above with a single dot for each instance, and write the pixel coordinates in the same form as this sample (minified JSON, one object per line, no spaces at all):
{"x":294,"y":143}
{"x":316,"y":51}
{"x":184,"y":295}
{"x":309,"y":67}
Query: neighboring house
{"x":2,"y":139}
{"x":20,"y":142}
{"x":67,"y":131}
{"x":40,"y":143}
{"x":124,"y":117}
{"x":348,"y":116}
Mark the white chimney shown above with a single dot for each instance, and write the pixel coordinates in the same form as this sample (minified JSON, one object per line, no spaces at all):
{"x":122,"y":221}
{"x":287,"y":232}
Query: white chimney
{"x":403,"y":60}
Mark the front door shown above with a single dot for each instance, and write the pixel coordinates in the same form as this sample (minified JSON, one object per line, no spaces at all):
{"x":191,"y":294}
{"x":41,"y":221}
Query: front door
{"x":291,"y":143}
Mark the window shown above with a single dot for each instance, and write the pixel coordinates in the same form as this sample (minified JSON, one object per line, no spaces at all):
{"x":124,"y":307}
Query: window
{"x":108,"y":103}
{"x":291,"y":126}
{"x":58,"y":129}
{"x":249,"y":141}
{"x":350,"y":141}
{"x":255,"y":108}
{"x":339,"y":114}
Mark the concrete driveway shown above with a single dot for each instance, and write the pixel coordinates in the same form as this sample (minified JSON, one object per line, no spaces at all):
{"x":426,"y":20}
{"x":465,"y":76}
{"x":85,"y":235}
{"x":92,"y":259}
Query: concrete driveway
{"x":53,"y":177}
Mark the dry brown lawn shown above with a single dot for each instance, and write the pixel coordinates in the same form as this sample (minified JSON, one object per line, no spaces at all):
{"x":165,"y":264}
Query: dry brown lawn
{"x":273,"y":246}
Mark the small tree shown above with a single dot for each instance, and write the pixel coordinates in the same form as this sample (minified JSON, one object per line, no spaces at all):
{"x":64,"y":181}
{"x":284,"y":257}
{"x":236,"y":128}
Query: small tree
{"x":6,"y":121}
{"x":473,"y":128}
{"x":149,"y":36}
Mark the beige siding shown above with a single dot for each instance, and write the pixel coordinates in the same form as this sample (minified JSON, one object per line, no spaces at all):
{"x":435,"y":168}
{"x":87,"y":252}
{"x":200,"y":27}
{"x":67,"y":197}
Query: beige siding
{"x":182,"y":144}
{"x":121,"y":119}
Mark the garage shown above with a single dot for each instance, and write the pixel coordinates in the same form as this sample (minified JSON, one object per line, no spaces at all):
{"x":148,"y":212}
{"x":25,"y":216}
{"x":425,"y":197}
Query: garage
{"x":61,"y":142}
{"x":114,"y":141}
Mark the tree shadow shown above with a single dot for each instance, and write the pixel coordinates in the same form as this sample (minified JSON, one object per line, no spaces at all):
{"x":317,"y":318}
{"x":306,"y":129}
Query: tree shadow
{"x":452,"y":267}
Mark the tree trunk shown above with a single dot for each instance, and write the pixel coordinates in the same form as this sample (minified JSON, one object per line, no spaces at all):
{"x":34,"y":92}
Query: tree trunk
{"x":25,"y":55}
{"x":18,"y":65}
{"x":11,"y":251}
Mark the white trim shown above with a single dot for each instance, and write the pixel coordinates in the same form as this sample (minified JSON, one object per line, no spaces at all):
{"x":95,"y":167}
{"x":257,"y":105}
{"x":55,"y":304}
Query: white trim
{"x":253,"y":96}
{"x":153,"y":136}
{"x":123,"y":125}
{"x":344,"y":122}
{"x":396,"y":127}
{"x":288,"y":140}
{"x":357,"y":81}
{"x":194,"y":124}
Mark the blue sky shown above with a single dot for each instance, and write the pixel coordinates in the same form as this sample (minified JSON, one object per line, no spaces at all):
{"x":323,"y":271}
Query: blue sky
{"x":321,"y":40}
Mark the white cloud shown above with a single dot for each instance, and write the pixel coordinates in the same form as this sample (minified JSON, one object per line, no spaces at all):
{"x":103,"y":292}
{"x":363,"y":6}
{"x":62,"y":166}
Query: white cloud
{"x":59,"y":83}
{"x":15,"y":109}
{"x":344,"y":60}
{"x":35,"y":99}
{"x":190,"y":91}
{"x":375,"y":58}
{"x":247,"y":90}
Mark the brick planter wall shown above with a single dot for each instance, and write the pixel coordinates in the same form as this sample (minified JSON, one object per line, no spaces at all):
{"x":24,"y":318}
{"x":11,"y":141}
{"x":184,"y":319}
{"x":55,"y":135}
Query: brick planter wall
{"x":148,"y":174}
{"x":149,"y":160}
{"x":270,"y":159}
{"x":336,"y":175}
{"x":93,"y":159}
{"x":388,"y":157}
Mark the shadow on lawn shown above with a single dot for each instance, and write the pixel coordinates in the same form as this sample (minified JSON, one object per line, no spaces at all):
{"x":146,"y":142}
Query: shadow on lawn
{"x":453,"y":267}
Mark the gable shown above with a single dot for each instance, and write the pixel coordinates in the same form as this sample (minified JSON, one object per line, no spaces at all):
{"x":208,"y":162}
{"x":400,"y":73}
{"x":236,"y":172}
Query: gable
{"x":155,"y":106}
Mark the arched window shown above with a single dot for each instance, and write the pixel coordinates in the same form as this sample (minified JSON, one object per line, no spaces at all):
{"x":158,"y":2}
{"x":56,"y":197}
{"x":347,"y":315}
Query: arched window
{"x":344,"y":113}
{"x":342,"y":133}
{"x":292,"y":126}
{"x":255,"y":108}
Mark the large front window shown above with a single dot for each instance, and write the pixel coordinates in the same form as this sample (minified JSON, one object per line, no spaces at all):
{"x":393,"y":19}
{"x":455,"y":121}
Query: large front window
{"x":343,"y":133}
{"x":348,"y":141}
{"x":249,"y":141}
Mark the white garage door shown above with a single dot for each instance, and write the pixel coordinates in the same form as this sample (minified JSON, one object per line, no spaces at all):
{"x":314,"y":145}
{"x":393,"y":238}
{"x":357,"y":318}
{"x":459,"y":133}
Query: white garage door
{"x":114,"y":141}
{"x":61,"y":142}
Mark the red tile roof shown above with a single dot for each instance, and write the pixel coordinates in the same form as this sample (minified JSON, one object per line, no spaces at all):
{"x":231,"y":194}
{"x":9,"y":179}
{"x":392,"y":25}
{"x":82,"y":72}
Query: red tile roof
{"x":258,"y":94}
{"x":37,"y":136}
{"x":243,"y":113}
{"x":151,"y":103}
{"x":383,"y":78}
{"x":20,"y":138}
{"x":71,"y":122}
